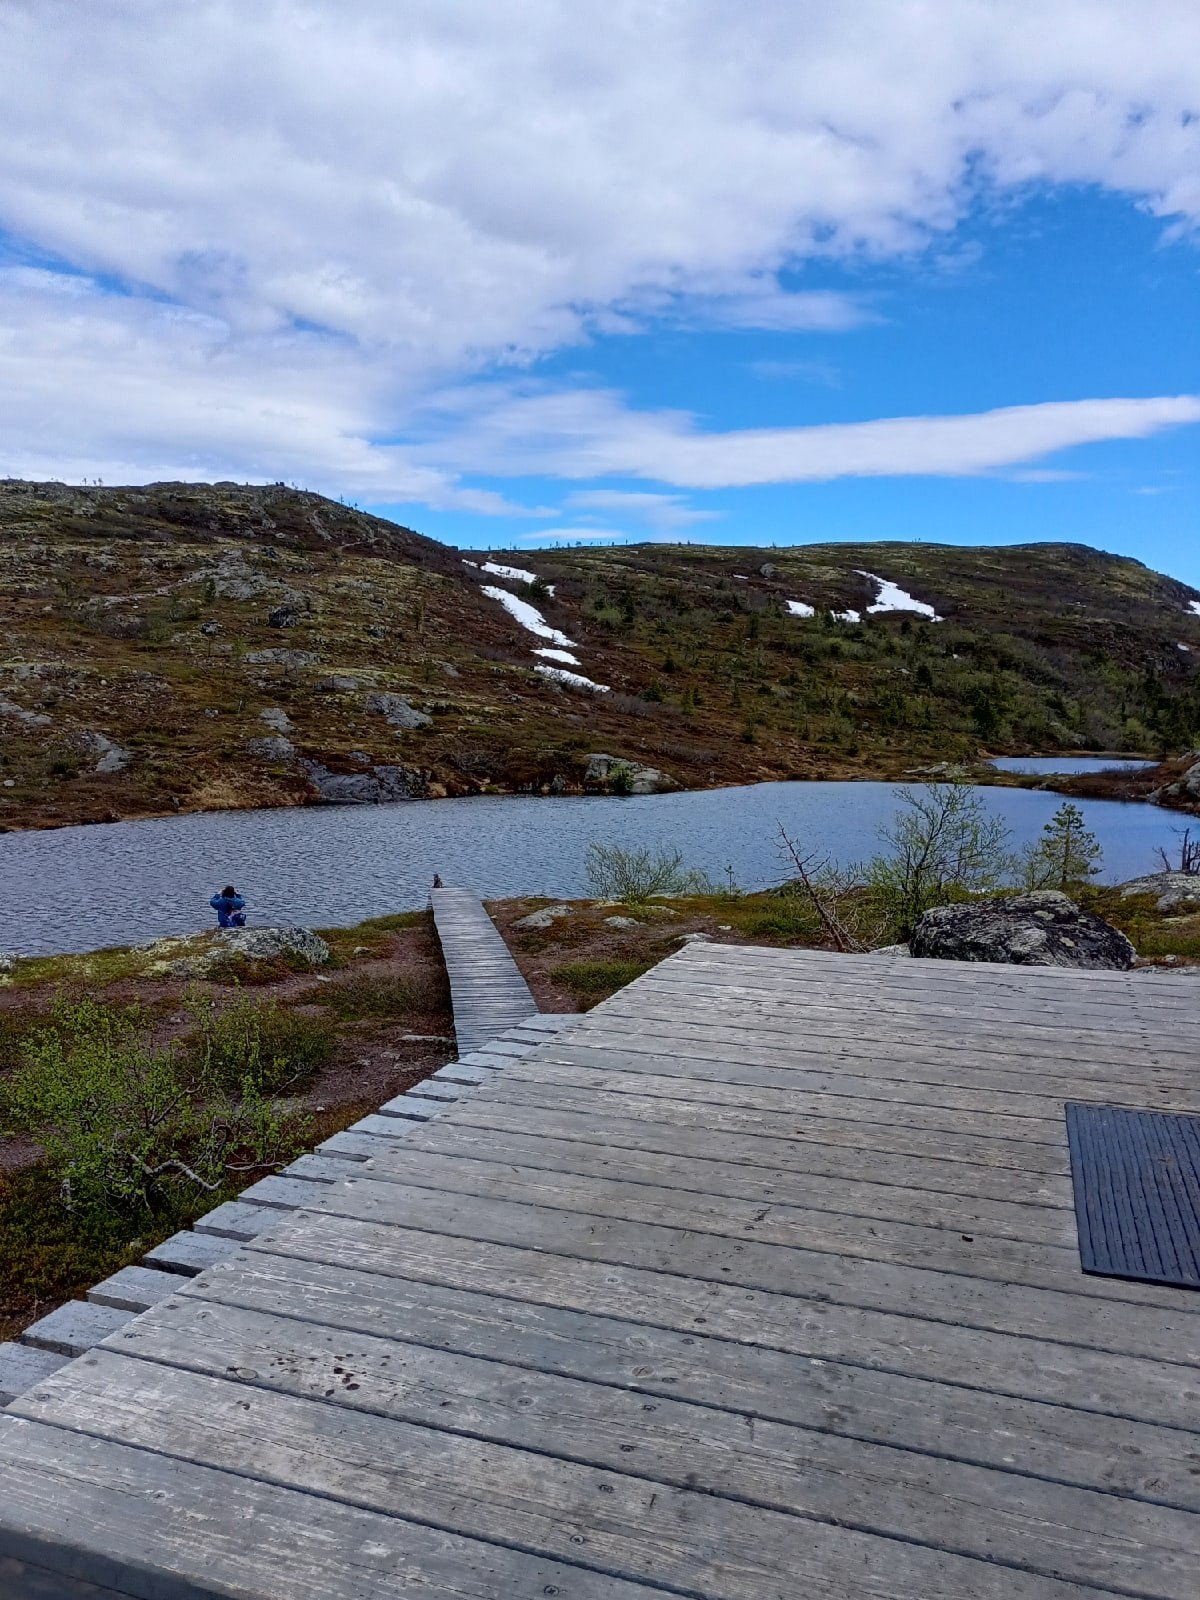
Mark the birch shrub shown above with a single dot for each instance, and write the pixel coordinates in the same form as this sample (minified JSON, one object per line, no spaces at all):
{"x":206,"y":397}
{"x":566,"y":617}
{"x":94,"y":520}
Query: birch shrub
{"x":131,"y":1126}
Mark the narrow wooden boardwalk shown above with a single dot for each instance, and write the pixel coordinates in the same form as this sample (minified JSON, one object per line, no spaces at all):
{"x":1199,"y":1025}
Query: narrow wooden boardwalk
{"x":486,"y":987}
{"x":758,"y":1282}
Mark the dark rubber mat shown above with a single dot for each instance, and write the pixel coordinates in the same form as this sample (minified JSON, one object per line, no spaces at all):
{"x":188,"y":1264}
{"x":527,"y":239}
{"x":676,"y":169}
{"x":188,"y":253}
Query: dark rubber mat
{"x":1137,"y":1193}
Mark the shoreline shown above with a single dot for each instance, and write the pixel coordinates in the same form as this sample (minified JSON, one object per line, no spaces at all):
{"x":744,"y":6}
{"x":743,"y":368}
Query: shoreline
{"x":1134,"y":785}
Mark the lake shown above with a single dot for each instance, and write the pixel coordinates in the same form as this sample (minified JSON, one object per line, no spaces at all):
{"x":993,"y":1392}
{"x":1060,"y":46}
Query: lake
{"x":1068,"y":764}
{"x":75,"y":889}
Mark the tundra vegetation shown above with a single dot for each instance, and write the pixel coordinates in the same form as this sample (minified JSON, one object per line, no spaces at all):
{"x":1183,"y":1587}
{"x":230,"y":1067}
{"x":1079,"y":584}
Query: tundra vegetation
{"x":193,"y":647}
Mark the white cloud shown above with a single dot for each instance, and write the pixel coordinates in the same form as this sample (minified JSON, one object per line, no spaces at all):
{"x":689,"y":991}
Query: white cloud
{"x":662,"y":512}
{"x":317,"y":211}
{"x":573,"y":535}
{"x":590,"y":433}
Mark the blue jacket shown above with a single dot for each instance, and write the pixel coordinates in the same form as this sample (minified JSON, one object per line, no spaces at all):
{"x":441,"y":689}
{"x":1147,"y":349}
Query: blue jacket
{"x":225,"y":905}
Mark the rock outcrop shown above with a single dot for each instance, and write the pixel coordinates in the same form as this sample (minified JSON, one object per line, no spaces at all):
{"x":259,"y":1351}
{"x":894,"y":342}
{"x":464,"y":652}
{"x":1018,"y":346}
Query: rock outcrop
{"x":374,"y":787}
{"x":397,"y":713}
{"x":1044,"y":929}
{"x":300,"y":947}
{"x":1185,"y":788}
{"x":545,"y":918}
{"x":1172,"y":891}
{"x":625,"y":777}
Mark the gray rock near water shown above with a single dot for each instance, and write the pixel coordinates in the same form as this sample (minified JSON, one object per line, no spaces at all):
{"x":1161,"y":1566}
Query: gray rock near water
{"x":622,"y":922}
{"x":31,"y":719}
{"x":110,"y":756}
{"x":8,"y":962}
{"x":1173,"y":891}
{"x":1186,"y":787}
{"x":262,"y":944}
{"x":397,"y":712}
{"x":642,"y":779}
{"x":375,"y":787}
{"x":1044,"y":929}
{"x":544,"y":918}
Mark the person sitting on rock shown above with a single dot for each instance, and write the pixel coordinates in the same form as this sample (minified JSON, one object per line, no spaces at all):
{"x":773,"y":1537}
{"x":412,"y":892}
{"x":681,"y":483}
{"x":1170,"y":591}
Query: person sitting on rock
{"x":230,"y":908}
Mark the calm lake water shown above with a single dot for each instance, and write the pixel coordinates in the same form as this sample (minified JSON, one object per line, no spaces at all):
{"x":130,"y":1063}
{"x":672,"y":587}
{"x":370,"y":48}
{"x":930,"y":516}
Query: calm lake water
{"x":1062,"y":764}
{"x":123,"y":883}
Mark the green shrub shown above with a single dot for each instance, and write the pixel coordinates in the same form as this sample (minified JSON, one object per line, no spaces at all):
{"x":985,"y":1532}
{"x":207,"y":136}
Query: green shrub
{"x":128,"y":1126}
{"x":243,"y":1041}
{"x":592,"y":981}
{"x":391,"y":995}
{"x":637,"y":874}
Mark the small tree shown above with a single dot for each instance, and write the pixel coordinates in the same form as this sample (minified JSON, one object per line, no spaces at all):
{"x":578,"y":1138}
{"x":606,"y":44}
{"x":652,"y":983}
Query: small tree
{"x":1065,"y":856}
{"x":637,"y":874}
{"x":942,"y":845}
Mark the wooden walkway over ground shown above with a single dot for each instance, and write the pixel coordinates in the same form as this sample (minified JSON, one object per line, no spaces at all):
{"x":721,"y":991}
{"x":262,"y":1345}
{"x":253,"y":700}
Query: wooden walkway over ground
{"x":759,"y":1282}
{"x":487,"y":990}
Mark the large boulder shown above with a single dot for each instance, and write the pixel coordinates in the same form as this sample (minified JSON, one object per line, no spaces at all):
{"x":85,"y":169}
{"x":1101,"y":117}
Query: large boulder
{"x":376,"y":787}
{"x":1184,"y":789}
{"x":214,"y":954}
{"x":1172,"y":891}
{"x":1043,"y":929}
{"x":396,"y":711}
{"x":628,"y":777}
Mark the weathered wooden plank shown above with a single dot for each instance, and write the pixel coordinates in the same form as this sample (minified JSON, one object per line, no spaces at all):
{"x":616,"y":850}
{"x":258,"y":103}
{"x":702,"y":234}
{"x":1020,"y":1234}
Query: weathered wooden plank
{"x":864,"y":1036}
{"x":1172,"y":1333}
{"x":878,"y":1080}
{"x":1050,"y":984}
{"x":188,"y":1252}
{"x":21,"y":1366}
{"x":234,"y":1220}
{"x":134,"y":1288}
{"x":782,"y":1154}
{"x":1021,"y":1156}
{"x":951,"y":1422}
{"x":407,"y":1446}
{"x":693,"y":1176}
{"x":1025,"y":1367}
{"x":938,"y":1248}
{"x":72,"y":1328}
{"x":959,"y":1029}
{"x":787,"y":1099}
{"x":163,"y":1529}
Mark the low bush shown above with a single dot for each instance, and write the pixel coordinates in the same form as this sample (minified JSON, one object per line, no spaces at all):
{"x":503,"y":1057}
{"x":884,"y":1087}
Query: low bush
{"x":593,"y":981}
{"x":128,"y":1126}
{"x":390,"y":996}
{"x":638,"y":873}
{"x":247,"y":1041}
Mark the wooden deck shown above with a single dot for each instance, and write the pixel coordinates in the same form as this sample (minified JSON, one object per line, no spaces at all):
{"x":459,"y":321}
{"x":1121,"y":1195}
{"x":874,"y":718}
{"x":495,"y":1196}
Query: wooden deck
{"x":487,"y":990}
{"x":760,"y":1282}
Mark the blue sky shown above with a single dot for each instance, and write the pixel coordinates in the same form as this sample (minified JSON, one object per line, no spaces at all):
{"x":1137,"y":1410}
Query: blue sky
{"x":516,"y":277}
{"x":1059,"y":295}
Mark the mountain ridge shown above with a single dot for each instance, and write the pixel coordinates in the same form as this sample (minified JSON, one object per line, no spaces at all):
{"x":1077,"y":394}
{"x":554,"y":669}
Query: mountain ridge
{"x":184,"y":646}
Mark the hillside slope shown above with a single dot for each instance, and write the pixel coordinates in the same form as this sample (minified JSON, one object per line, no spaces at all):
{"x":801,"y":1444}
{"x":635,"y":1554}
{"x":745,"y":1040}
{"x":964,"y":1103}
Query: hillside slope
{"x":184,"y":646}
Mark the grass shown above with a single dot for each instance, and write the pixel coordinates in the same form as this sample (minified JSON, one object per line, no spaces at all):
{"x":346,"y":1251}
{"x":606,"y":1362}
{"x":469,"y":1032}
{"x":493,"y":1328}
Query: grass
{"x":593,"y":981}
{"x":389,"y":996}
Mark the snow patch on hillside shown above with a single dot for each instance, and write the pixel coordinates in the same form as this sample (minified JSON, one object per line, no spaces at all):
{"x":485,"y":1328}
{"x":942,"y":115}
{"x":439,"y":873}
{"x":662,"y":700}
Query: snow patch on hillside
{"x":513,"y":574}
{"x":798,"y":608}
{"x":574,"y":680}
{"x":1194,"y":607}
{"x":893,"y":598}
{"x":846,"y":616}
{"x":564,"y":656}
{"x":528,"y":616}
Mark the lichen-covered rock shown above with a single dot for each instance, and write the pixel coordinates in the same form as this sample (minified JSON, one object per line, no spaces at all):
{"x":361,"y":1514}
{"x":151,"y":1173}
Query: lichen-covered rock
{"x":631,"y":777}
{"x":274,"y":749}
{"x":545,"y":918}
{"x":215,"y":953}
{"x":1185,"y":788}
{"x":376,"y":787}
{"x":397,"y":712}
{"x":1173,"y":891}
{"x":277,"y":719}
{"x":8,"y":963}
{"x":1043,"y":929}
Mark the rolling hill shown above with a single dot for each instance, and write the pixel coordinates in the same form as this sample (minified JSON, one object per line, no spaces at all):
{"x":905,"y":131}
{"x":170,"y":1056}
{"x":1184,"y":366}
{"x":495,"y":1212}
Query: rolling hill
{"x":187,"y":647}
